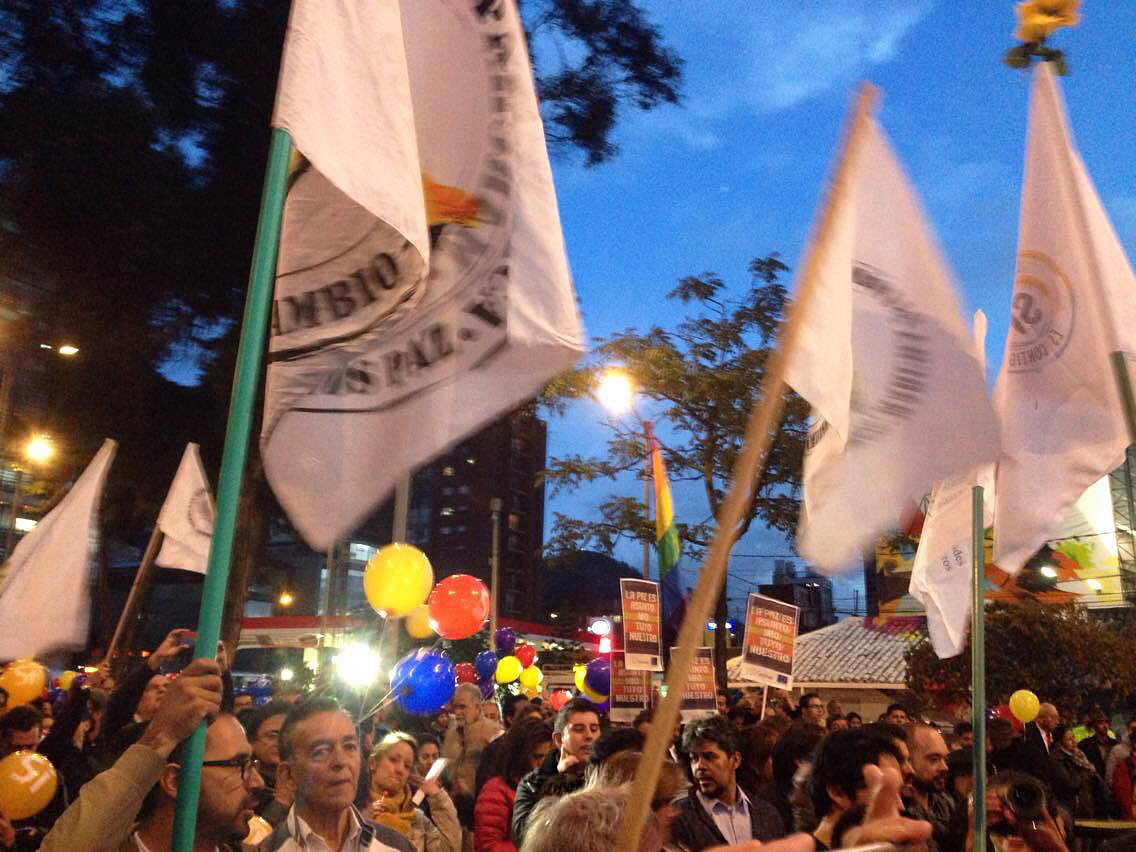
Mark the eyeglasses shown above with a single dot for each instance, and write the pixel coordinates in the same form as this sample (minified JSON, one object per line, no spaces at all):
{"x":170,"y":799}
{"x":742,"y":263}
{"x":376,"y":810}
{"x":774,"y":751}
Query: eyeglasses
{"x":242,"y":762}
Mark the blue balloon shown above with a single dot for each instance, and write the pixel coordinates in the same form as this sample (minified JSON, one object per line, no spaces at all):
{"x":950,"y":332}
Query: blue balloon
{"x":506,"y":641}
{"x":486,"y":665}
{"x":423,"y":681}
{"x":598,"y":676}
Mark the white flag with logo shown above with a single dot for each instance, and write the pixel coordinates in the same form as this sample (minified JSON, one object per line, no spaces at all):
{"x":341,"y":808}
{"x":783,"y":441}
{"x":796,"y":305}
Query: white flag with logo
{"x":186,"y":519}
{"x":887,"y":364}
{"x":941,"y":574}
{"x":45,"y":598}
{"x":422,"y":289}
{"x":1074,"y":303}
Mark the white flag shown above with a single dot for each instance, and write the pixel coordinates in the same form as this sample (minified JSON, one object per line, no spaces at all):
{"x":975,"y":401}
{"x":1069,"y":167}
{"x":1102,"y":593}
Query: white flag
{"x":941,"y":573}
{"x":422,"y":288}
{"x":1074,"y":302}
{"x":45,"y":600}
{"x":887,"y":364}
{"x":186,"y":519}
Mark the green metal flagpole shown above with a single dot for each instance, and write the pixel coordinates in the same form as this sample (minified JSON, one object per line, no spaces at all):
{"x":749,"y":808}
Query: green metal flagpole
{"x":246,"y":381}
{"x":1128,"y":400}
{"x":978,"y":664}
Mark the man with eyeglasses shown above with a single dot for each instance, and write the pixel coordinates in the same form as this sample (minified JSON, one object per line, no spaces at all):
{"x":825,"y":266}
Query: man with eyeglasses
{"x":130,"y":807}
{"x":262,"y":726}
{"x":320,"y":760}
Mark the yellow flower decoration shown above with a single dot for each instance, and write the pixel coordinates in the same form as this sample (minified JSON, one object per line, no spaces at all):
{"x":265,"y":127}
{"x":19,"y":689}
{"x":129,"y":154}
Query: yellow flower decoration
{"x":1038,"y":19}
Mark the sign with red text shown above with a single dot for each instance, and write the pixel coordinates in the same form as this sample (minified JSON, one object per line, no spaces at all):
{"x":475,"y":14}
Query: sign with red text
{"x":699,"y":698}
{"x":642,"y":636}
{"x":770,"y":637}
{"x":628,"y":690}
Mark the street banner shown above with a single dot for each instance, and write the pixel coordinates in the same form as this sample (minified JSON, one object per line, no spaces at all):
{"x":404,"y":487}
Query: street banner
{"x":186,"y":519}
{"x":422,"y":289}
{"x":642,"y":634}
{"x":1074,"y":304}
{"x":628,"y":690}
{"x":941,"y":576}
{"x":769,"y":643}
{"x":886,"y":362}
{"x":45,"y":599}
{"x":700,"y":696}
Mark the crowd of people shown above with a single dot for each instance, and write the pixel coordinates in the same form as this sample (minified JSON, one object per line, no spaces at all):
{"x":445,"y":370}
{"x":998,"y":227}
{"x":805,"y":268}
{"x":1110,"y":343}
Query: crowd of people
{"x":482,"y":776}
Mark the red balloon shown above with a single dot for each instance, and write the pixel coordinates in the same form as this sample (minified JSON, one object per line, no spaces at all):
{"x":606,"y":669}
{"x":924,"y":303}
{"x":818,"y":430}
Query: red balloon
{"x":458,"y":606}
{"x":559,"y":698}
{"x":465,"y":673}
{"x":526,"y":654}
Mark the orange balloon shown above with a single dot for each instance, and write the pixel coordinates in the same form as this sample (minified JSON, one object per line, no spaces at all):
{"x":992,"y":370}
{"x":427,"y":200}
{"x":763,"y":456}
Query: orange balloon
{"x":23,"y":680}
{"x":459,"y":606}
{"x":27,"y":783}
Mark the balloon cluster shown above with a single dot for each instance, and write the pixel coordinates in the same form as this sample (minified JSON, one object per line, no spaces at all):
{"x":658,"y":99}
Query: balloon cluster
{"x":511,"y":663}
{"x":594,"y":682}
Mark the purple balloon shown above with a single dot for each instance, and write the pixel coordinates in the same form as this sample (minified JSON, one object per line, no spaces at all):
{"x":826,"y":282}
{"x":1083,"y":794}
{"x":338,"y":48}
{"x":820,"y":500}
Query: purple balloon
{"x":487,"y":688}
{"x":598,"y":677}
{"x":506,"y":641}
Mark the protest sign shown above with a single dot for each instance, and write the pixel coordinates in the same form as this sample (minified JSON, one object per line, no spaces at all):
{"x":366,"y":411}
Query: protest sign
{"x":698,"y":699}
{"x":628,"y":690}
{"x":642,"y":638}
{"x":770,"y":637}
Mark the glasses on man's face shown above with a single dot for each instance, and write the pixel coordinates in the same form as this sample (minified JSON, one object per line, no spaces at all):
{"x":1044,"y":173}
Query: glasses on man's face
{"x":244,"y":762}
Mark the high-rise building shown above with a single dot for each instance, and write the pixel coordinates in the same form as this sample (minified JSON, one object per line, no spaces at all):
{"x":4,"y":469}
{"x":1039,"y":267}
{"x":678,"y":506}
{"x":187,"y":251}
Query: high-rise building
{"x":805,"y":589}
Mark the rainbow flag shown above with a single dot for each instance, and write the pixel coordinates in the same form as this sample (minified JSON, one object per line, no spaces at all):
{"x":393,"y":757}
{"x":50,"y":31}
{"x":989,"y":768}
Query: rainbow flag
{"x":666,"y":534}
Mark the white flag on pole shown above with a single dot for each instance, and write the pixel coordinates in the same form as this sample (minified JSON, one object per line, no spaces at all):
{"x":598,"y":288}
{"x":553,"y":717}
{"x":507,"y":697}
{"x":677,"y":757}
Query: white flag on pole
{"x":941,"y":574}
{"x":1074,"y":303}
{"x":45,"y":599}
{"x":422,"y":288}
{"x":887,"y":364}
{"x":186,"y":519}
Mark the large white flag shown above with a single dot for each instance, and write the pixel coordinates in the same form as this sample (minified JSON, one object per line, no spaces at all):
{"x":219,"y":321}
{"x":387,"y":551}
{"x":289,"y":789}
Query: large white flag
{"x":942,"y":572}
{"x":422,"y":288}
{"x":45,"y":600}
{"x":186,"y":519}
{"x":1074,"y":302}
{"x":887,"y":364}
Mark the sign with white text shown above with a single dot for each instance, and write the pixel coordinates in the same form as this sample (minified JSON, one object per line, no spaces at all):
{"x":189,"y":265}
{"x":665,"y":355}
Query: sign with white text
{"x":642,"y":636}
{"x":699,"y":698}
{"x":770,"y":638}
{"x":628,"y":690}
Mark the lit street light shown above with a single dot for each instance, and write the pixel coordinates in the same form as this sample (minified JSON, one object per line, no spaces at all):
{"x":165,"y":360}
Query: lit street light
{"x":39,"y":449}
{"x":286,"y":598}
{"x":67,"y":350}
{"x":615,"y":392}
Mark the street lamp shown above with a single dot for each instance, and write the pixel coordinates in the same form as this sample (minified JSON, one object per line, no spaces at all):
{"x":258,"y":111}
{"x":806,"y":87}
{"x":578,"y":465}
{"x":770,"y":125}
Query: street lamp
{"x":67,"y":350}
{"x":615,"y":391}
{"x":39,"y":449}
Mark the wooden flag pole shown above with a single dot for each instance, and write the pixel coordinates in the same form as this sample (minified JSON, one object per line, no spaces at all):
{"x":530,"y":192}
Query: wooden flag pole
{"x":978,"y":662}
{"x":141,"y":579}
{"x":246,"y":381}
{"x":747,"y":471}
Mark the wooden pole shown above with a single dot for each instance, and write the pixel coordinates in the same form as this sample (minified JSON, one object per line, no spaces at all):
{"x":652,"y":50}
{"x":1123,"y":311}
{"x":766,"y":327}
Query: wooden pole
{"x":978,"y":663}
{"x":141,"y":581}
{"x":496,"y":504}
{"x":748,"y":468}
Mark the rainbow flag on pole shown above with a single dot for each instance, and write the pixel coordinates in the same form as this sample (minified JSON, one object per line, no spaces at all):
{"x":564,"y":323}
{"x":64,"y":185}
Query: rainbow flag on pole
{"x":666,"y":534}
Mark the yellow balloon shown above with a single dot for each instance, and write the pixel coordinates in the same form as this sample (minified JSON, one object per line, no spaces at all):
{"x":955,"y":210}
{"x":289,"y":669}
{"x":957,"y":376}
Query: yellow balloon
{"x":27,"y":783}
{"x":530,"y":691}
{"x":578,"y":675}
{"x":1024,"y":705}
{"x":397,"y":580}
{"x":418,"y":623}
{"x":531,"y":678}
{"x":66,"y":679}
{"x":508,"y":669}
{"x":23,"y":680}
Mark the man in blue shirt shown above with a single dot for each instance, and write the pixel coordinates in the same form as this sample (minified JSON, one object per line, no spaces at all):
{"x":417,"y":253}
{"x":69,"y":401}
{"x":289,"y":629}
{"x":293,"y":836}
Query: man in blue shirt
{"x":717,"y":810}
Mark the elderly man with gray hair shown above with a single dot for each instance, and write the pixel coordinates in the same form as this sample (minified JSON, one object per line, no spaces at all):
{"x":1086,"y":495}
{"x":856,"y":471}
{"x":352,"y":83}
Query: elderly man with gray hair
{"x":465,"y":740}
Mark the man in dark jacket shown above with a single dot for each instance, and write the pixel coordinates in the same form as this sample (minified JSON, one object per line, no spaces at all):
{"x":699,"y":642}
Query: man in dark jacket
{"x":717,"y":811}
{"x":1097,"y":747}
{"x":577,"y":726}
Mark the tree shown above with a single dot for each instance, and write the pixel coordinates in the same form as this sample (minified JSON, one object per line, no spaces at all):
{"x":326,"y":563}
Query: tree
{"x":1061,"y":653}
{"x":702,"y":380}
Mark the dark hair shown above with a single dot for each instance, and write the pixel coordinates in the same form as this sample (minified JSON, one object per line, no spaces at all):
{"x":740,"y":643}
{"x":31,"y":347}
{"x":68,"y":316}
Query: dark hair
{"x":893,"y":707}
{"x":832,"y":720}
{"x":795,"y":745}
{"x":22,"y":717}
{"x":840,"y":761}
{"x":300,"y":711}
{"x":807,"y":697}
{"x":428,"y":738}
{"x":1059,"y":733}
{"x":509,"y":705}
{"x":715,"y":729}
{"x":576,"y":705}
{"x":517,"y":746}
{"x":742,"y":713}
{"x":254,"y":717}
{"x":725,"y":693}
{"x":963,"y":728}
{"x":896,"y":732}
{"x":851,"y":817}
{"x":852,"y":713}
{"x":757,"y":742}
{"x":613,"y":740}
{"x":643,"y":716}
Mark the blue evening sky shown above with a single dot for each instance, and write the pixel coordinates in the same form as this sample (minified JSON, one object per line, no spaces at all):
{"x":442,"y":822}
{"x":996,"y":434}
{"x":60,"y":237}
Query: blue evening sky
{"x":736,"y":171}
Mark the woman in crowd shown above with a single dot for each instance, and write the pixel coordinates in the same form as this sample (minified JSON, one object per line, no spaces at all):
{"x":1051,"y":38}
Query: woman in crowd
{"x":390,"y":764}
{"x":523,"y":748}
{"x":1076,"y":784}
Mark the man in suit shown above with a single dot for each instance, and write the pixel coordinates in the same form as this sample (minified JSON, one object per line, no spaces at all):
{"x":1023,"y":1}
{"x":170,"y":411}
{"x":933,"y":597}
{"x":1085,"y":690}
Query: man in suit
{"x":717,"y":811}
{"x":1039,"y":733}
